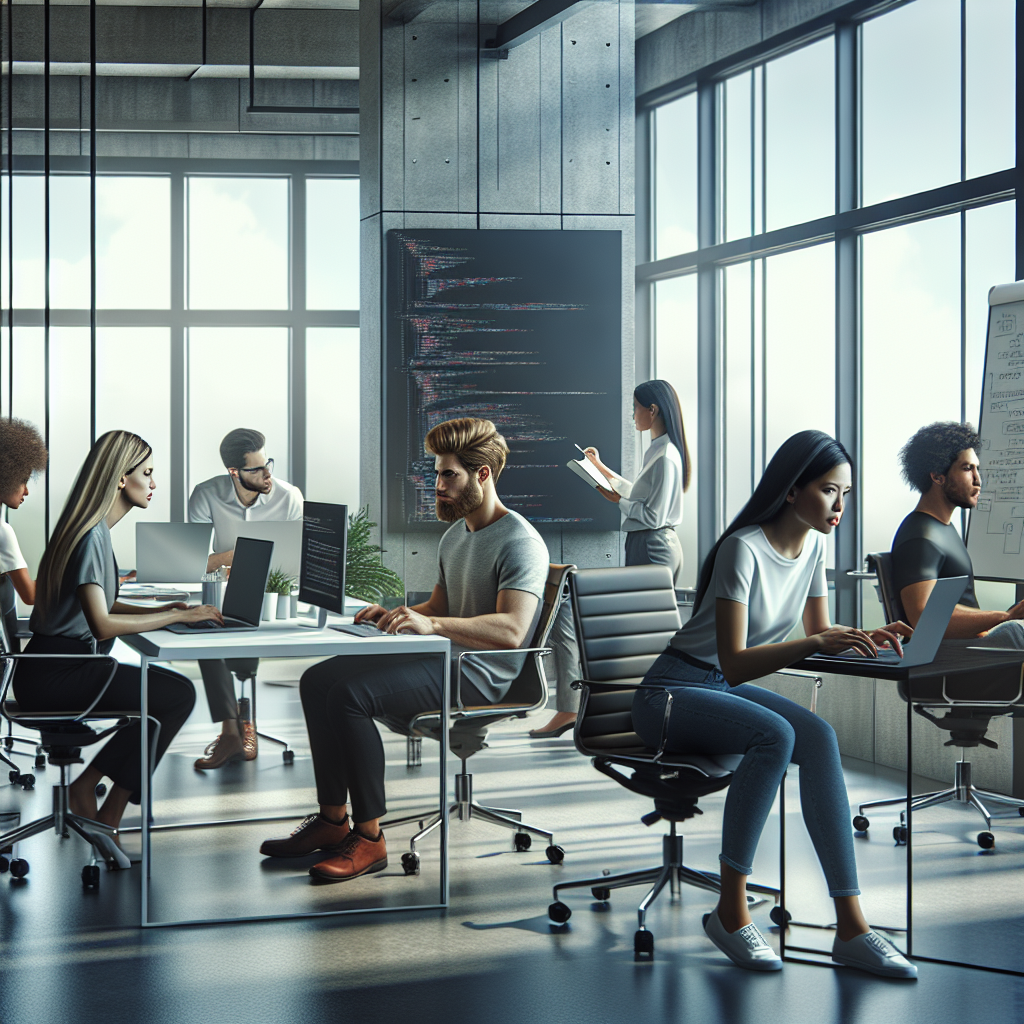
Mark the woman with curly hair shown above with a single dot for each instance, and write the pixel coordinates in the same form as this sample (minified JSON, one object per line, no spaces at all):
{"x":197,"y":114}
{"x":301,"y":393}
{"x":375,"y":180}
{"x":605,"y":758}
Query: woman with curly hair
{"x":22,"y":454}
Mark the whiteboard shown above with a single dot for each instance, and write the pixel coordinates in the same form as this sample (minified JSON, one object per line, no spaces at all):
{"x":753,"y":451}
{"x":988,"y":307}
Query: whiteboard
{"x":996,"y":527}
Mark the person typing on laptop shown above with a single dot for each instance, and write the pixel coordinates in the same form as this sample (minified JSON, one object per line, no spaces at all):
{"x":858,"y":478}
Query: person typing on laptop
{"x":248,"y":492}
{"x":941,"y":462}
{"x":492,"y":568}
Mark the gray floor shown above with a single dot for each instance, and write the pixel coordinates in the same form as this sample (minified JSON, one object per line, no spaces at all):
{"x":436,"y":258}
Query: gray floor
{"x":67,"y":955}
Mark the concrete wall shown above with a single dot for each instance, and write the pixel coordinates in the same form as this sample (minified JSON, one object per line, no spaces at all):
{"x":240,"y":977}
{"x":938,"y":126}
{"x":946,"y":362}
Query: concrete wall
{"x":452,"y":140}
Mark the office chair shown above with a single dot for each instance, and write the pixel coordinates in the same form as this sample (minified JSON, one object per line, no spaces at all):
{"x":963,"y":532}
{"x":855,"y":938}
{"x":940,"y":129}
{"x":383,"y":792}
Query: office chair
{"x":8,"y":644}
{"x":624,"y":619}
{"x":468,"y":732}
{"x":965,"y":722}
{"x":62,"y":736}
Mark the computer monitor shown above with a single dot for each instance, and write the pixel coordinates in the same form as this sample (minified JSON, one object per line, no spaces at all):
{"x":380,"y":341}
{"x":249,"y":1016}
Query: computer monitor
{"x":171,"y":552}
{"x":324,"y":549}
{"x":286,"y":536}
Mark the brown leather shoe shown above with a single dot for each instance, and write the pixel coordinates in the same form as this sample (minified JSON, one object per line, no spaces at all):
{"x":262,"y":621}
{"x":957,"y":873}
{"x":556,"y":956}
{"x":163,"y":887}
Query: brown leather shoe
{"x":359,"y":856}
{"x":220,"y":752}
{"x":250,"y":741}
{"x":314,"y":833}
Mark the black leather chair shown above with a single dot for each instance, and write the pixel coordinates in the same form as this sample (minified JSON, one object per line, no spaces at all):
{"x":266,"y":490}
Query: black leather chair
{"x":624,"y":619}
{"x":63,"y":734}
{"x":467,"y":734}
{"x":966,"y":723}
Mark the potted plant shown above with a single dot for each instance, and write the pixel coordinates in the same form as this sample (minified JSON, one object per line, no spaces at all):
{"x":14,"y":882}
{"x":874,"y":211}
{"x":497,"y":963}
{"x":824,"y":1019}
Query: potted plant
{"x":279,"y":587}
{"x":366,"y":577}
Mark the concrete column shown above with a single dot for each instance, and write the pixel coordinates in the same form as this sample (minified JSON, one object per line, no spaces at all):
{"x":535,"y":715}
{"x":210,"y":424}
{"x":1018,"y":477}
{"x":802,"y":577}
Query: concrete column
{"x":453,"y":138}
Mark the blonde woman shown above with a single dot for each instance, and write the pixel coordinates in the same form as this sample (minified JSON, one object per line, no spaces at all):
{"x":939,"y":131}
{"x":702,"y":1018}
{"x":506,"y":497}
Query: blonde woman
{"x":77,"y":612}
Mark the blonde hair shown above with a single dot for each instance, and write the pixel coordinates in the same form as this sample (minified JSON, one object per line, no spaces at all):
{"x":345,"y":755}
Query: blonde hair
{"x":475,"y":443}
{"x":115,"y":455}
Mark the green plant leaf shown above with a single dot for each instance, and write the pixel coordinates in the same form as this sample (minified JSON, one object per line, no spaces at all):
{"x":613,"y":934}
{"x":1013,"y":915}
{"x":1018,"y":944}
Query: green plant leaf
{"x":366,"y":577}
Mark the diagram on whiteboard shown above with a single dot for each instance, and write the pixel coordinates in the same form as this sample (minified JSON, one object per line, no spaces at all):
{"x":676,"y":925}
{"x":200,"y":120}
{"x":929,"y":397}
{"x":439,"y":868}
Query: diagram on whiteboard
{"x":997,"y":525}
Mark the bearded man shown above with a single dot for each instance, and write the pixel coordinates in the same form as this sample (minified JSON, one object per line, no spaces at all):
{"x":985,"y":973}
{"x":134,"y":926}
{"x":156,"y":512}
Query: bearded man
{"x":941,"y":462}
{"x":492,"y":567}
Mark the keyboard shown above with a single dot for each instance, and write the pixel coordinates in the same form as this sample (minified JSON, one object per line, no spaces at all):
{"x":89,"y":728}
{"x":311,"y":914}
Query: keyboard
{"x":360,"y":629}
{"x":205,"y":624}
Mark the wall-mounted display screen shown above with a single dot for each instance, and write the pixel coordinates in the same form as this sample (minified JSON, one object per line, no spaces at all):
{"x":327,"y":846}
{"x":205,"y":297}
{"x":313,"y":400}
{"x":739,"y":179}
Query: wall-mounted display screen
{"x":523,"y":328}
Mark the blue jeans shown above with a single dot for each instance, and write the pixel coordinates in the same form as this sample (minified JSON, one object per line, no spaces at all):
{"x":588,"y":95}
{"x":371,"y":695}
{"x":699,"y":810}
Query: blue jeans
{"x":709,"y":717}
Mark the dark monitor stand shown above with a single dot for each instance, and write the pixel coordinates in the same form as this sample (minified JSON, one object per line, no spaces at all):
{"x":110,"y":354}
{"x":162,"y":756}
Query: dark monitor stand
{"x":324,"y":549}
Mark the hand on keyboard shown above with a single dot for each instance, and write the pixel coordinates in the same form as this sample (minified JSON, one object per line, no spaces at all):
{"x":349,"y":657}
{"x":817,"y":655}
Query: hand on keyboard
{"x":205,"y":624}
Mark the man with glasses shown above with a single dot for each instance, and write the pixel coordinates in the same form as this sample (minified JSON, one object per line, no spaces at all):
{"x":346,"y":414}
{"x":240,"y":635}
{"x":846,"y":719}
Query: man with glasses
{"x":249,"y":492}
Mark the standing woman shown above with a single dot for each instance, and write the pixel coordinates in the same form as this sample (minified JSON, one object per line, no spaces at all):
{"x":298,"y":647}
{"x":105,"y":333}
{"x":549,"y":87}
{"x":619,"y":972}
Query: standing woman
{"x":22,"y":453}
{"x":77,"y":612}
{"x":765,"y":575}
{"x":652,"y":505}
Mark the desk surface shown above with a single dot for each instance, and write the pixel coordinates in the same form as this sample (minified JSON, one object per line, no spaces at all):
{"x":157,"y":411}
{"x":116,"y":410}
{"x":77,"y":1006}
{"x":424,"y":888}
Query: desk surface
{"x":949,"y":661}
{"x":277,"y":639}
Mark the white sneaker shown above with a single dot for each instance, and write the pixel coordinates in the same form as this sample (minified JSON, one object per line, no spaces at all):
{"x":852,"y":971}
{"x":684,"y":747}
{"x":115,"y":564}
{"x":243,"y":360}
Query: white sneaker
{"x":746,"y":948}
{"x":870,"y":952}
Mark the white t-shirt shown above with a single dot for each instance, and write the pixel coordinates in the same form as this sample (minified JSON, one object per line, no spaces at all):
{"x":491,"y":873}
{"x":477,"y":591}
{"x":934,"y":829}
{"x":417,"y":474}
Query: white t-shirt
{"x":11,"y":557}
{"x":215,"y":501}
{"x":655,"y":499}
{"x":774,"y":588}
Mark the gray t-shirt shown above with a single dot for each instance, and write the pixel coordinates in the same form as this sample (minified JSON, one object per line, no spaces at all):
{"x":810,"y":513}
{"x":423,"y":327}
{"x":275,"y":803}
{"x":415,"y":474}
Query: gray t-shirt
{"x":473,"y":566}
{"x":92,"y":561}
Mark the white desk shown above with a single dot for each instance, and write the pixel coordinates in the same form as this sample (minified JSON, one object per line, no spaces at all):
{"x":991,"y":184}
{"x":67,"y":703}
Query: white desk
{"x":280,"y":639}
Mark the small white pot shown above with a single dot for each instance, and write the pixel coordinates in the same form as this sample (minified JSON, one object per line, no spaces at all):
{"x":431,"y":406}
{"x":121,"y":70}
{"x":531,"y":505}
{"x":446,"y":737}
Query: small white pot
{"x":284,"y":605}
{"x":269,"y":606}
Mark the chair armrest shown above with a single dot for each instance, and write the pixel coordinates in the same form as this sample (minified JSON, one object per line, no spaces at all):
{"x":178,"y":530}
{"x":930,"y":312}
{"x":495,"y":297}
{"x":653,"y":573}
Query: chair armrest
{"x":8,"y":676}
{"x":805,"y":675}
{"x":540,"y":651}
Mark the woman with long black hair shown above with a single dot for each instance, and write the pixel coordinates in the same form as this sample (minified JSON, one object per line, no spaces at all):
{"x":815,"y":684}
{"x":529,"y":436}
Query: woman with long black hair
{"x":765,"y":575}
{"x":652,"y":504}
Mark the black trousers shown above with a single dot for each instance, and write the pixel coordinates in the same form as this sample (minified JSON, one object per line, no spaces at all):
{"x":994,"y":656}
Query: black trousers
{"x":220,"y":684}
{"x":53,"y":686}
{"x":341,"y":697}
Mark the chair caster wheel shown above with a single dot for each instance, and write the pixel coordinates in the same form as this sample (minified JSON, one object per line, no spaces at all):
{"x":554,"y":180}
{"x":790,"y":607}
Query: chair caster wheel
{"x":411,"y":863}
{"x":899,"y":833}
{"x":8,"y":743}
{"x":27,"y":781}
{"x":555,"y":854}
{"x":601,"y":895}
{"x":40,"y":761}
{"x":780,"y":917}
{"x":860,"y":823}
{"x":1020,"y":811}
{"x":288,"y":756}
{"x":643,"y":945}
{"x":4,"y":864}
{"x":90,"y":876}
{"x":986,"y":840}
{"x":522,"y":841}
{"x":15,"y":776}
{"x":559,"y":913}
{"x":19,"y":868}
{"x":101,"y":789}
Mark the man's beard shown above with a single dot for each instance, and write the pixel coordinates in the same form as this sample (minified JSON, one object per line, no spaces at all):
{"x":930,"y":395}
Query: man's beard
{"x":246,"y":486}
{"x":471,"y":498}
{"x":957,"y":499}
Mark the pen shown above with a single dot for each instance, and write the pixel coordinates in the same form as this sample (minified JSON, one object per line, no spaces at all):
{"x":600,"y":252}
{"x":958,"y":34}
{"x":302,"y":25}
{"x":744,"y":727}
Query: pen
{"x":578,"y":448}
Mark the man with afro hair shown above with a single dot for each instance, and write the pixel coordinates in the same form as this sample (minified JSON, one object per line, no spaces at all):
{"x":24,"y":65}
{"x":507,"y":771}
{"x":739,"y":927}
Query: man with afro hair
{"x":941,"y":462}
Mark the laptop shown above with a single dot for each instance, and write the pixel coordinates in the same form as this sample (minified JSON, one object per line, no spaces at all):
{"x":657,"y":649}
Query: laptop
{"x":171,"y":552}
{"x":922,"y":647}
{"x":243,"y":596}
{"x":286,"y":536}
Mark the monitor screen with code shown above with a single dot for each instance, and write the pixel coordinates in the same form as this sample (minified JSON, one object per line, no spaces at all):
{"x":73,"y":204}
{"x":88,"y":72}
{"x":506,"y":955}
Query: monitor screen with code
{"x":324,"y":548}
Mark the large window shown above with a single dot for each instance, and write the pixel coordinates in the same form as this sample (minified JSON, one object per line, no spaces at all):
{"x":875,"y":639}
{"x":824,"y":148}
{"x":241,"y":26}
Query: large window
{"x":222,"y":300}
{"x":846,"y":296}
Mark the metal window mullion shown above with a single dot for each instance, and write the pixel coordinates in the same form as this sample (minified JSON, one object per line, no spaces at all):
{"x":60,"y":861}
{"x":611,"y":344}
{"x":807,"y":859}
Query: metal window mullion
{"x":848,"y":370}
{"x":709,"y":368}
{"x":10,"y":210}
{"x":92,"y":221}
{"x":179,"y":353}
{"x":46,"y":256}
{"x":297,"y":335}
{"x":645,"y":332}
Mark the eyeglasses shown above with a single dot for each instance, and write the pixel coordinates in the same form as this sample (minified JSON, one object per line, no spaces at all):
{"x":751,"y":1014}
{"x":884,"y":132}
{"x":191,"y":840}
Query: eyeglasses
{"x":268,"y":469}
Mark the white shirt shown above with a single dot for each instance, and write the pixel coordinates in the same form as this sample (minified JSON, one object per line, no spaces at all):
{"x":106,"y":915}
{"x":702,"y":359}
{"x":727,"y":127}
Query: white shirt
{"x":774,"y":588}
{"x":11,"y":557}
{"x":216,"y":501}
{"x":655,"y":499}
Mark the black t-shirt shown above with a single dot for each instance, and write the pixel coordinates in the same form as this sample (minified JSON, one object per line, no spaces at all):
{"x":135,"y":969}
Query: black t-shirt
{"x":925,"y":549}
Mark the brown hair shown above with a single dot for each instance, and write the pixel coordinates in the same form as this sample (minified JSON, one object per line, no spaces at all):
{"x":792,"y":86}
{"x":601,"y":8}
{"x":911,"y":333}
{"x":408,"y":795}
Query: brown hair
{"x":475,"y":443}
{"x":239,"y":443}
{"x":22,"y":453}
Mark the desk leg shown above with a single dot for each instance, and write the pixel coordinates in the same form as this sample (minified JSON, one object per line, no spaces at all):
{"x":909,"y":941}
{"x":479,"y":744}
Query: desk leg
{"x":910,"y":829}
{"x":145,"y":802}
{"x":446,"y":689}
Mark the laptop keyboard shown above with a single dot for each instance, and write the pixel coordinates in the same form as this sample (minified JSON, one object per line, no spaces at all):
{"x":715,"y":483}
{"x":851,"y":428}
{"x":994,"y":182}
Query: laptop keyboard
{"x":205,"y":624}
{"x":360,"y":629}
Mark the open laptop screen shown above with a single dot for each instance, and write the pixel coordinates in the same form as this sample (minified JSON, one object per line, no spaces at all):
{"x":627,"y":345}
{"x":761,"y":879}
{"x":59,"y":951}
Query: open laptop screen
{"x":250,"y":567}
